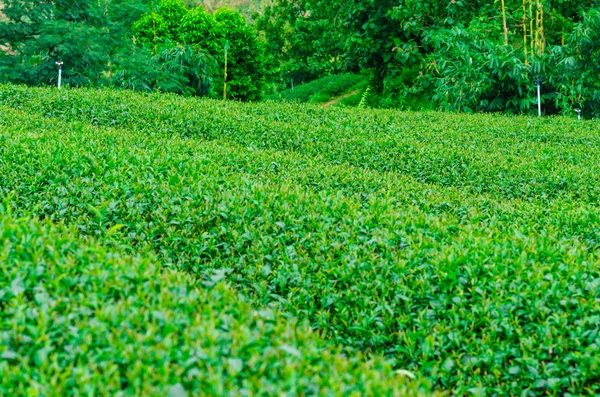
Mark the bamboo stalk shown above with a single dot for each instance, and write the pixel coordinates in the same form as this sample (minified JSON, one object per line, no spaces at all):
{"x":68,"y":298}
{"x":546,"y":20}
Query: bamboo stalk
{"x":153,"y":26}
{"x":154,"y":34}
{"x":542,"y":32}
{"x":531,"y":26}
{"x":504,"y":21}
{"x":525,"y":32}
{"x":225,"y":72}
{"x":537,"y":27}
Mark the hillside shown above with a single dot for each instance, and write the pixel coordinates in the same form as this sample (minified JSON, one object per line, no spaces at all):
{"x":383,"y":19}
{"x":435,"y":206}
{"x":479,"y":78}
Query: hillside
{"x":247,"y":7}
{"x":88,"y":306}
{"x":463,"y":249}
{"x":345,"y":89}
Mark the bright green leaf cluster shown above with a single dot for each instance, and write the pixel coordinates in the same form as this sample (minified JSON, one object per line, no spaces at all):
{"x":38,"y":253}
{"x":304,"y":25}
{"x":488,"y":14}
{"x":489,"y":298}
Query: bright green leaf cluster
{"x":83,"y":317}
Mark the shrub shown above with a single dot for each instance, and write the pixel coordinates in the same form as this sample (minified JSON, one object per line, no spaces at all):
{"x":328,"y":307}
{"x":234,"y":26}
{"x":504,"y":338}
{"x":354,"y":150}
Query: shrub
{"x":320,"y":90}
{"x":84,"y":317}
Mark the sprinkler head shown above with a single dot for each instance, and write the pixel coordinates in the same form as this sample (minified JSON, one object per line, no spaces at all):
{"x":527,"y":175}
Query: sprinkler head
{"x":538,"y":80}
{"x":59,"y":63}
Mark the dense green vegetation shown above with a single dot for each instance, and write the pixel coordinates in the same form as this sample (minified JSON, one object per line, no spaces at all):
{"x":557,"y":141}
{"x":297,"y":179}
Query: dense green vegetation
{"x":323,"y":89}
{"x":92,"y":38}
{"x":463,"y":248}
{"x":142,"y":45}
{"x":417,"y":54}
{"x":87,"y":308}
{"x":452,"y":55}
{"x":159,"y":245}
{"x":210,"y":34}
{"x":83,"y":317}
{"x":247,"y":7}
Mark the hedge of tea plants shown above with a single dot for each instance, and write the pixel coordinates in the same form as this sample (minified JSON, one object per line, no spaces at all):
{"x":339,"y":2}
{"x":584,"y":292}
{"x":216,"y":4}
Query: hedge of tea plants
{"x":508,"y":157}
{"x":84,"y":317}
{"x":460,"y":248}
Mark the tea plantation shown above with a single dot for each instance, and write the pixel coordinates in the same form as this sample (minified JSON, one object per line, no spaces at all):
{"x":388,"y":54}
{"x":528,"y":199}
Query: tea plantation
{"x":158,"y":245}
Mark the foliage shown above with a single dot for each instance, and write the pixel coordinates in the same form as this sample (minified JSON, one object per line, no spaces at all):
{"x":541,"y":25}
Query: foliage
{"x":320,"y":90}
{"x":93,"y":41}
{"x":249,"y":8}
{"x":363,"y":100}
{"x":448,"y":55}
{"x":303,"y":38}
{"x":198,"y":26}
{"x":172,"y":11}
{"x":184,"y":70}
{"x":152,"y":28}
{"x":195,"y":67}
{"x":462,"y":247}
{"x":583,"y":66}
{"x":173,"y":50}
{"x":471,"y":73}
{"x":210,"y":33}
{"x":245,"y":70}
{"x":84,"y":317}
{"x":162,"y":23}
{"x":84,"y":35}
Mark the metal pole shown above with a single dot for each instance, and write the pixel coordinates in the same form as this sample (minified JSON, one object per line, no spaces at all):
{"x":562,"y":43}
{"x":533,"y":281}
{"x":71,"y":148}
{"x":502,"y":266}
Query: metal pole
{"x":59,"y":74}
{"x":538,"y":82}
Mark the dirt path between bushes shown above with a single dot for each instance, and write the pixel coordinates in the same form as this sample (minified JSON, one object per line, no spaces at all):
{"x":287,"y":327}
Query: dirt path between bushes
{"x":339,"y":98}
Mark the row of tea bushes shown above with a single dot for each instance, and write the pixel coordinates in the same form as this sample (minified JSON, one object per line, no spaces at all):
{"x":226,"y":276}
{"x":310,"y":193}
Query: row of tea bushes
{"x":83,"y":317}
{"x":509,"y":157}
{"x":485,"y":300}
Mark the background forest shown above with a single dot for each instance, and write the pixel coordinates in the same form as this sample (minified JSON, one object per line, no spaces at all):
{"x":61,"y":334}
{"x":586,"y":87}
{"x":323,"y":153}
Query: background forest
{"x":454,"y":55}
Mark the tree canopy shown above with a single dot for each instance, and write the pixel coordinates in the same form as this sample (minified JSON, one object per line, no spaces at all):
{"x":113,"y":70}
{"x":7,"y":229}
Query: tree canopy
{"x":138,"y":44}
{"x":457,"y":55}
{"x":210,"y":34}
{"x":85,"y":35}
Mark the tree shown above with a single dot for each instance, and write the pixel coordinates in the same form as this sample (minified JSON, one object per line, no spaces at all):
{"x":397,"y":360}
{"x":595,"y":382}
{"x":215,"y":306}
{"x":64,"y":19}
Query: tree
{"x":85,"y":35}
{"x":578,"y":67}
{"x":305,"y":39}
{"x":459,"y":55}
{"x":209,"y":33}
{"x":246,"y":71}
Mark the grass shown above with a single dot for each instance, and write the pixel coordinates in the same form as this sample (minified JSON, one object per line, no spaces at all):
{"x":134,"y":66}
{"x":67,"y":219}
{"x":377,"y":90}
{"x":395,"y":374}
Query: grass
{"x":323,"y":89}
{"x":461,"y":248}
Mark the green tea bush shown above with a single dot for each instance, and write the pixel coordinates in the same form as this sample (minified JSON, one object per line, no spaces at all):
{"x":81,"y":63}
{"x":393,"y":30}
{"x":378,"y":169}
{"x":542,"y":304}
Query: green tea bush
{"x":438,"y":240}
{"x":506,"y":156}
{"x":81,"y":317}
{"x":341,"y":84}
